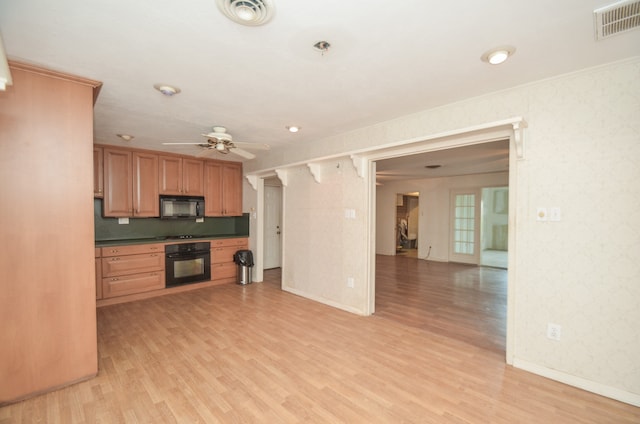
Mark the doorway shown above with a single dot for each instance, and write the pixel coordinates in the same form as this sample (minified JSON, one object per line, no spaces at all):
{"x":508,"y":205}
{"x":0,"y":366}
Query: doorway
{"x":495,"y":227}
{"x":272,"y":257}
{"x":458,"y":170}
{"x":407,"y":223}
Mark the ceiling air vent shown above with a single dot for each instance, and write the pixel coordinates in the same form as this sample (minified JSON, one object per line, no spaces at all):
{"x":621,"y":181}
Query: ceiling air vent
{"x":247,"y":12}
{"x":616,"y":18}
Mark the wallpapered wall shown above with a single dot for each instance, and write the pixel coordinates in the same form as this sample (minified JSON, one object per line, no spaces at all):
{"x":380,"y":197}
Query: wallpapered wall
{"x":582,"y":154}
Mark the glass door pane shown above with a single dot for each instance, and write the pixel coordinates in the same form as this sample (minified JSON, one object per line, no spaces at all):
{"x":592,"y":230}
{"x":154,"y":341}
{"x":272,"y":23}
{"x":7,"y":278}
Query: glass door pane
{"x":464,"y":224}
{"x":464,"y":245}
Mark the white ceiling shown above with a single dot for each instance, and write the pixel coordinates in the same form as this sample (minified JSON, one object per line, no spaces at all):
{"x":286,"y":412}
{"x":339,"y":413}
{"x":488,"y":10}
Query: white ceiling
{"x":387,"y":59}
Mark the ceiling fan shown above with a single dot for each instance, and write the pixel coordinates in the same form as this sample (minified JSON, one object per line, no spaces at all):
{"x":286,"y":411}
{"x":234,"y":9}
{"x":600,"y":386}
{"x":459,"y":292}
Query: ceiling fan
{"x":222,"y":142}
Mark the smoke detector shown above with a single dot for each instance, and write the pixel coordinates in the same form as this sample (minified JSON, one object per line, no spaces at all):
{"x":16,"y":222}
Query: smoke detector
{"x":618,"y":17}
{"x":247,"y":12}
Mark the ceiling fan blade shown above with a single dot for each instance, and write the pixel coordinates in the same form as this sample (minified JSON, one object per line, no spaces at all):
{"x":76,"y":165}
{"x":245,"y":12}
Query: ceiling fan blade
{"x":253,"y":146}
{"x":205,"y":152}
{"x":168,"y":144}
{"x":242,"y":153}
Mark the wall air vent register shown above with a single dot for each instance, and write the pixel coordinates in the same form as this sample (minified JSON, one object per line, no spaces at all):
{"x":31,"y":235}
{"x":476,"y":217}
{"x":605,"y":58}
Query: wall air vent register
{"x":616,"y":18}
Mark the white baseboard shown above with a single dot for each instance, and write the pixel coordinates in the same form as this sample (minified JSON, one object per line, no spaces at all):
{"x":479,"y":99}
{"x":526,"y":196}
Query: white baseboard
{"x":581,"y":383}
{"x":323,"y":301}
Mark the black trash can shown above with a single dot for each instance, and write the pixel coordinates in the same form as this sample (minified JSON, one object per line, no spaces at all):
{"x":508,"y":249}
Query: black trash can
{"x":244,"y":260}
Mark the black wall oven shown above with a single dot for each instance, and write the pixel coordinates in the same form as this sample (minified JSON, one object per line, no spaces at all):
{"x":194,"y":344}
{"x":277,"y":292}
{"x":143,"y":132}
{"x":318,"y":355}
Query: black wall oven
{"x":187,"y":263}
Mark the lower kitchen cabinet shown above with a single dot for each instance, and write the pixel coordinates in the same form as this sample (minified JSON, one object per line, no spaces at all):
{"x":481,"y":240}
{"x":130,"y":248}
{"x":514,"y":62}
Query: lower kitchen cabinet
{"x":130,"y":284}
{"x":222,"y":251}
{"x":132,"y":269}
{"x":98,"y":262}
{"x":132,"y":272}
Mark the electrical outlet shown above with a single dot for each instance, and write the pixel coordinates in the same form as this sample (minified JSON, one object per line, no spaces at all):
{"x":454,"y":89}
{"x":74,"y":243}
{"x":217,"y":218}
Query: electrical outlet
{"x":554,"y":331}
{"x":350,"y":282}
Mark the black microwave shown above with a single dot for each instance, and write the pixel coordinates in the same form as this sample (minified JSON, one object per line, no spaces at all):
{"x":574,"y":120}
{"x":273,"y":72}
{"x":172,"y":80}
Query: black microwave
{"x":181,"y":207}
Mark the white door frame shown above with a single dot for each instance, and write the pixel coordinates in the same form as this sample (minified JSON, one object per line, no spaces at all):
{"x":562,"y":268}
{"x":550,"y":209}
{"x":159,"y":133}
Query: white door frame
{"x":510,"y":129}
{"x":365,"y":162}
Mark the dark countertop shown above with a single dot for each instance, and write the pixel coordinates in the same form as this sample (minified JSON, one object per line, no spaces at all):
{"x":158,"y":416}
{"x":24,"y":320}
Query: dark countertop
{"x":163,"y":239}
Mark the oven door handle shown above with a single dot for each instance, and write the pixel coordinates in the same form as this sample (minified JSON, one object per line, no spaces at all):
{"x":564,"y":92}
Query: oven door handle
{"x":177,"y":255}
{"x":189,"y":255}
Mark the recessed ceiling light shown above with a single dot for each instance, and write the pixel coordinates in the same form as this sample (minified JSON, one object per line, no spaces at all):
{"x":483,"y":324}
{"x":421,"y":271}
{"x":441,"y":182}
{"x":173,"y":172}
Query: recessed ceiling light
{"x":293,"y":129}
{"x":126,"y":137}
{"x":166,"y":89}
{"x":498,"y":55}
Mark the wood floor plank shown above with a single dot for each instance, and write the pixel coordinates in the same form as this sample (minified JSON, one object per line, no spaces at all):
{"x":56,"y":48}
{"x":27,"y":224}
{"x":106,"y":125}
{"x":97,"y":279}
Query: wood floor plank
{"x":432,"y":353}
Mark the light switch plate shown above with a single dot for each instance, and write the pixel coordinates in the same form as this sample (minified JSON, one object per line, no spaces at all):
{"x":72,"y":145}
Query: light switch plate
{"x":555,"y":214}
{"x":123,"y":220}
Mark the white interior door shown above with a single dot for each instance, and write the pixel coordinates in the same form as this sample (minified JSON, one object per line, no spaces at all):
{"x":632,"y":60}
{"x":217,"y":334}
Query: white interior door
{"x":272,"y":227}
{"x":465,"y":226}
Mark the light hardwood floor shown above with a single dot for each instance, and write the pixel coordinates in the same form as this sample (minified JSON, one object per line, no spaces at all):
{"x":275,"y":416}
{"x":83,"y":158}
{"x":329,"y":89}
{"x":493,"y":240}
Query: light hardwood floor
{"x":255,"y":354}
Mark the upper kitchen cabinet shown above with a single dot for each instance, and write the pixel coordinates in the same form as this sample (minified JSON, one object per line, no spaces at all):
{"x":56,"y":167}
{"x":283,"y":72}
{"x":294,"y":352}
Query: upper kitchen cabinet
{"x":223,"y":188}
{"x":130,"y":184}
{"x":98,"y":173}
{"x":181,"y":176}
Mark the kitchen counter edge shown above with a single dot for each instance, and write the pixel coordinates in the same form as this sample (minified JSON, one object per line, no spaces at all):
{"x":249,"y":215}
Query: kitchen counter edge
{"x":165,"y":240}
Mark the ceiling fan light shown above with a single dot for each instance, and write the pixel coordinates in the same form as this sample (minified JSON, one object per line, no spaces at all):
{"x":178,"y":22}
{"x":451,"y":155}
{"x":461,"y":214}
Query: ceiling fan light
{"x":220,"y":146}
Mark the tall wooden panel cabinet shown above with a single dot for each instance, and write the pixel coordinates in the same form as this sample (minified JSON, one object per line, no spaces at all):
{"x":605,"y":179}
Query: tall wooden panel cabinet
{"x":47,"y":302}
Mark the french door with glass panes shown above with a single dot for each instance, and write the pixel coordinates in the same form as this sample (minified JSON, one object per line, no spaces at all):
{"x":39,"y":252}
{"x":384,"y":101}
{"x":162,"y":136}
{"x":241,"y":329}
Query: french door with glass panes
{"x":464,"y":245}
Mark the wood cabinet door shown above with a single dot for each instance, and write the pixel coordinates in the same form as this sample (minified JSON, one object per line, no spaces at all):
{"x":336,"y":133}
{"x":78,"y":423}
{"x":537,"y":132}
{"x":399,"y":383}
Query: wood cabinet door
{"x":232,"y":190}
{"x":213,"y":188}
{"x":130,"y":284}
{"x":98,"y":173}
{"x":98,"y":263}
{"x":170,"y":175}
{"x":224,"y":254}
{"x":192,"y":177}
{"x":117,"y":183}
{"x":132,"y":264}
{"x":146,"y":201}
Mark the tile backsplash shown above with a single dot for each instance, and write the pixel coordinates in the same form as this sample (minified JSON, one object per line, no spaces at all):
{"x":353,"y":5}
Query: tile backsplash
{"x":109,"y":229}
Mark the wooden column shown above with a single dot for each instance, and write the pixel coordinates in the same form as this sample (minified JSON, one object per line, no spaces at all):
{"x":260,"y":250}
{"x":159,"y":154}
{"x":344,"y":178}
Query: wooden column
{"x":47,"y":274}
